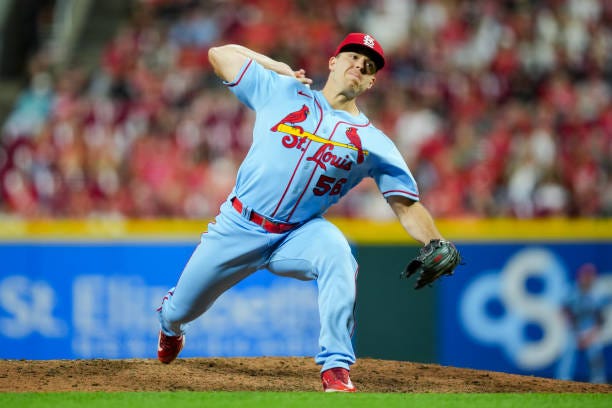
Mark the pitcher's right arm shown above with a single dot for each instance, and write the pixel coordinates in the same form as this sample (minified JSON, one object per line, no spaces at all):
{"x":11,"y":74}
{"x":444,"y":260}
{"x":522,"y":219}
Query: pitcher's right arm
{"x":227,"y":60}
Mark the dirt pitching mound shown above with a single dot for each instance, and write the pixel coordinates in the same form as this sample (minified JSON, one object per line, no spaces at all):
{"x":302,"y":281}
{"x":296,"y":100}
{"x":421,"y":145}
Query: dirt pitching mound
{"x":264,"y":374}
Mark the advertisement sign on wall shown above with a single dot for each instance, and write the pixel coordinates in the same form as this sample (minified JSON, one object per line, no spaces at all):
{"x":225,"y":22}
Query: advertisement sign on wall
{"x":503,"y":310}
{"x":98,"y":300}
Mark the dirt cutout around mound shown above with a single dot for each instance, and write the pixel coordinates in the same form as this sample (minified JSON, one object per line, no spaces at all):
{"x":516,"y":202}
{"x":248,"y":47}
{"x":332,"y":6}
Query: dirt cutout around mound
{"x":265,"y":374}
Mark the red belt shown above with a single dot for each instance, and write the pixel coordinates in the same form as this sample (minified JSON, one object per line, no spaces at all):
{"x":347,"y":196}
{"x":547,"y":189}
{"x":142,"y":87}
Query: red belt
{"x":263,"y":222}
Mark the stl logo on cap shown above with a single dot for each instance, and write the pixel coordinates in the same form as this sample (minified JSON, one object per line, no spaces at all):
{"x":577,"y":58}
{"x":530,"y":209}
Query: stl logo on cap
{"x":363,"y":42}
{"x":369,"y":41}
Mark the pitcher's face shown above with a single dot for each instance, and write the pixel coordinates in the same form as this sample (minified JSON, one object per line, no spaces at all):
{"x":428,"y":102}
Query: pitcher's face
{"x":353,"y":72}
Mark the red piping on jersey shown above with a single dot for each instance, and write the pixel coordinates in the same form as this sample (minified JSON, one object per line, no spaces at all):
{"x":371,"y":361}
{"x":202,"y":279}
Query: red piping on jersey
{"x":348,"y":123}
{"x":241,"y":75}
{"x":304,"y":94}
{"x":315,"y":167}
{"x":300,"y":160}
{"x":401,"y":191}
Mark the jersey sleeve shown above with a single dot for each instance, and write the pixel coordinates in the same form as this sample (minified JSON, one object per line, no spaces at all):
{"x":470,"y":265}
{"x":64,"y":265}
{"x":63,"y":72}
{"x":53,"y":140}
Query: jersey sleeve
{"x":254,"y":85}
{"x":392,"y":175}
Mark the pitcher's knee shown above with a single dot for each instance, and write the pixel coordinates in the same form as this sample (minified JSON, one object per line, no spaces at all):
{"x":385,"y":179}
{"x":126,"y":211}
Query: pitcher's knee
{"x":340,"y":260}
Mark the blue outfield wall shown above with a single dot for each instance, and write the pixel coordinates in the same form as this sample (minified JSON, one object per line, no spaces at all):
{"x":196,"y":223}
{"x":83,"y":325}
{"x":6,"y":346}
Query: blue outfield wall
{"x":75,"y":289}
{"x":501,"y":311}
{"x":98,"y":300}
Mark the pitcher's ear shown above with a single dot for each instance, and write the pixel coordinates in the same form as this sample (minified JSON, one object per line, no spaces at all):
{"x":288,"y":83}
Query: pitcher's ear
{"x":331,"y":63}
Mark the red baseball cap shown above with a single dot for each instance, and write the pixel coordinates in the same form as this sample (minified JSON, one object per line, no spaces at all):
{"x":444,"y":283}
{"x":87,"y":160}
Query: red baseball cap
{"x":365,"y":44}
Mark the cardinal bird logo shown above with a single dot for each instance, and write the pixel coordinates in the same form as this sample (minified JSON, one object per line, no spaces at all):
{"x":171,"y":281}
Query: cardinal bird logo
{"x":293,"y":118}
{"x":355,"y":140}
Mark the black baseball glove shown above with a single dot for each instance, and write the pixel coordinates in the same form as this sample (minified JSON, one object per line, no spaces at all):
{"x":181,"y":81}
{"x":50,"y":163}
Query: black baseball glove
{"x":434,"y":260}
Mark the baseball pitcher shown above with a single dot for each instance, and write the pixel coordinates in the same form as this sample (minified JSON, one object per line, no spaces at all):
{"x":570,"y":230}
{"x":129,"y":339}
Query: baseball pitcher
{"x":309,"y":149}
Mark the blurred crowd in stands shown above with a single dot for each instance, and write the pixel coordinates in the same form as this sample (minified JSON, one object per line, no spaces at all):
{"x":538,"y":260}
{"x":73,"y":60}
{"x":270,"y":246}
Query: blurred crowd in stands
{"x":501,"y":108}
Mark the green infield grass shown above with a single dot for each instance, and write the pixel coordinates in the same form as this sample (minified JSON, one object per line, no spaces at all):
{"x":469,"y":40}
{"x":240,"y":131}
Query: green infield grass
{"x":185,"y":399}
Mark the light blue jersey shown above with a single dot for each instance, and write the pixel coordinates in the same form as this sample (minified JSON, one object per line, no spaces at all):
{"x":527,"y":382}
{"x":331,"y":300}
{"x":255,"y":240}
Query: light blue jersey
{"x":305,"y":156}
